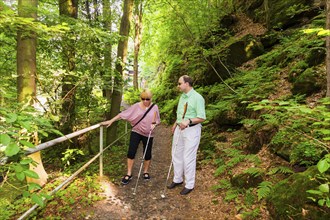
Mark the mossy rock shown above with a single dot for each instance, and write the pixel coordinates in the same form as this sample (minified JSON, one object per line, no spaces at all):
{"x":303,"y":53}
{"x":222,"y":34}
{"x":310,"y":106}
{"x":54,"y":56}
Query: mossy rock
{"x":260,"y":136}
{"x":306,"y":83}
{"x":288,"y":198}
{"x":227,"y":118}
{"x":291,"y":12}
{"x":270,"y":39}
{"x":316,"y":56}
{"x":243,"y":50}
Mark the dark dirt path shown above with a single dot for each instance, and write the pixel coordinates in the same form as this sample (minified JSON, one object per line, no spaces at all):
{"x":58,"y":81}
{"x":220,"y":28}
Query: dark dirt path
{"x":202,"y":203}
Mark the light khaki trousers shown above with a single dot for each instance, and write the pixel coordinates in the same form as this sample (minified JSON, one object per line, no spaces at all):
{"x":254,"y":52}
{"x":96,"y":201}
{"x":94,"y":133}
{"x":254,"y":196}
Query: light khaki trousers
{"x":184,"y":152}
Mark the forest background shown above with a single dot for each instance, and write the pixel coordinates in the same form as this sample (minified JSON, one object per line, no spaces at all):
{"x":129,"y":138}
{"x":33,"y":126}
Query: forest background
{"x":261,"y":65}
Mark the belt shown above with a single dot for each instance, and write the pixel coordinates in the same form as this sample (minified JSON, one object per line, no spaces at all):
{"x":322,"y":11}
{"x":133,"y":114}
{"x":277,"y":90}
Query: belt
{"x":190,"y":125}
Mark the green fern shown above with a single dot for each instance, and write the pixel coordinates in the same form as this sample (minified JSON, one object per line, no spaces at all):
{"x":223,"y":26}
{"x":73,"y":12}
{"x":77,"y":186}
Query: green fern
{"x":280,"y":169}
{"x":231,"y":194}
{"x":264,"y":189}
{"x":235,"y":160}
{"x":253,"y":158}
{"x":220,"y":170}
{"x":223,"y":184}
{"x":253,"y":171}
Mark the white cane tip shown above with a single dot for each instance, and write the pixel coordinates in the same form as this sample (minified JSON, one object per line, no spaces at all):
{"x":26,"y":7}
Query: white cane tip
{"x":163,"y":196}
{"x":133,"y":194}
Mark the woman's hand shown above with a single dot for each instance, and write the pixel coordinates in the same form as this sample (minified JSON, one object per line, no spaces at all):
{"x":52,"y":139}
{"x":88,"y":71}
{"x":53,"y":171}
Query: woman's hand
{"x":106,"y":123}
{"x":153,"y":126}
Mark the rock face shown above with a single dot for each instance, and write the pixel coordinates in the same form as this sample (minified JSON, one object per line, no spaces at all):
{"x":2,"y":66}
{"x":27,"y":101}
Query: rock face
{"x":292,"y":11}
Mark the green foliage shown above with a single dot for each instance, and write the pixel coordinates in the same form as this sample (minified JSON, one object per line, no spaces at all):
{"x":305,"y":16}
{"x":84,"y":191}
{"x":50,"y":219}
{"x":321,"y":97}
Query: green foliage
{"x":264,"y":189}
{"x":71,"y":155}
{"x":303,"y":130}
{"x":254,"y":171}
{"x":280,"y":169}
{"x":321,"y":194}
{"x":232,"y":194}
{"x":132,"y":96}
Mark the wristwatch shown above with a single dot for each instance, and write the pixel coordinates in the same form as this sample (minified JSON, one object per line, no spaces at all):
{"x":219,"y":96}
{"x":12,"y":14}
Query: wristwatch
{"x":190,"y":121}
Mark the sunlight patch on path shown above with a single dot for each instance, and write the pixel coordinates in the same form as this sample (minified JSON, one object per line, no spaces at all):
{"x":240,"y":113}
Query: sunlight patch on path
{"x":111,"y":207}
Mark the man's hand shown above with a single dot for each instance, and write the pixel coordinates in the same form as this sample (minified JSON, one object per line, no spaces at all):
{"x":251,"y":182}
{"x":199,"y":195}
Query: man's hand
{"x":184,"y":124}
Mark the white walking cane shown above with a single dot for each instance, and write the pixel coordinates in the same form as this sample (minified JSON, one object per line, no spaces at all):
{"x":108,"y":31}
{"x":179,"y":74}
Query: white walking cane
{"x":144,"y":154}
{"x":174,"y":150}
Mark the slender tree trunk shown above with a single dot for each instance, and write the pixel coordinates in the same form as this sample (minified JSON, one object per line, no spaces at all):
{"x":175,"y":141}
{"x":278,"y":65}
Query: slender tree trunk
{"x":88,"y":11}
{"x":26,"y":71}
{"x":107,"y":77}
{"x":120,"y":64}
{"x":68,"y":8}
{"x":328,"y":48}
{"x":266,"y":3}
{"x":137,"y":41}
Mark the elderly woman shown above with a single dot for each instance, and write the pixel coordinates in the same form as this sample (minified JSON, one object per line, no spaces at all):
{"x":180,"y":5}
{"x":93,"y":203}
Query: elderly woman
{"x":141,"y":131}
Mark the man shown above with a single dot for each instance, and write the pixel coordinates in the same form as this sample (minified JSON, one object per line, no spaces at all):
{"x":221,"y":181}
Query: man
{"x":186,"y":135}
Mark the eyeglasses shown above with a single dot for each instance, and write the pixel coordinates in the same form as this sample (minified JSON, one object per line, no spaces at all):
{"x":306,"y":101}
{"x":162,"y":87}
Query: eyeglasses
{"x":143,"y":99}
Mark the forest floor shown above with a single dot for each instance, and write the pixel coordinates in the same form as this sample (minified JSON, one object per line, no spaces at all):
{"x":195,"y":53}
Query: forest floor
{"x":120,"y":203}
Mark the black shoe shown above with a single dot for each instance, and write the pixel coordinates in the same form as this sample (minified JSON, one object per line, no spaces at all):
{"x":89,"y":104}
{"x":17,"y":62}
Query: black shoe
{"x":173,"y":185}
{"x":126,"y":179}
{"x":146,"y":176}
{"x":185,"y":191}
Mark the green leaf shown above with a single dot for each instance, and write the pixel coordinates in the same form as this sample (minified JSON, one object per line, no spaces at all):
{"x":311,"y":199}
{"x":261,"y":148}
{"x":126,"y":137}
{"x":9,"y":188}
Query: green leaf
{"x":25,"y":125}
{"x":37,"y":199}
{"x":325,"y":131}
{"x":328,"y":202}
{"x":315,"y":192}
{"x":11,"y":117}
{"x":18,"y":168}
{"x":12,"y":149}
{"x":324,"y":188}
{"x":26,"y":161}
{"x":323,"y":165}
{"x":324,"y":33}
{"x":26,"y":143}
{"x":31,"y":174}
{"x":43,"y":133}
{"x":4,"y":139}
{"x":26,"y":194}
{"x":20,"y":176}
{"x":321,"y":202}
{"x":283,"y":103}
{"x":33,"y":186}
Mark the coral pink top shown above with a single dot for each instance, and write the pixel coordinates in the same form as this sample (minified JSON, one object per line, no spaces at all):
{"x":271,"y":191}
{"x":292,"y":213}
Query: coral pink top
{"x":135,"y":112}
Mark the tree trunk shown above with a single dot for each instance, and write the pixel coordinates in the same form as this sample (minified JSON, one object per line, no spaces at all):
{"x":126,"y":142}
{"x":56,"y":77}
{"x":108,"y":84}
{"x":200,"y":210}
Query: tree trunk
{"x":328,"y":48}
{"x":107,"y":75}
{"x":120,"y":64}
{"x":68,"y":8}
{"x":137,"y":41}
{"x":26,"y":71}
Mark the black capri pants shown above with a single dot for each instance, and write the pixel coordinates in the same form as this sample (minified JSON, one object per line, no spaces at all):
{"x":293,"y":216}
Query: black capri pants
{"x":134,"y":144}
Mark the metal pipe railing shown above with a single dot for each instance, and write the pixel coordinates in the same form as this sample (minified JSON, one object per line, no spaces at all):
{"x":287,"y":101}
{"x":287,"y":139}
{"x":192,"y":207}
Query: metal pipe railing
{"x":69,"y":179}
{"x":60,"y":139}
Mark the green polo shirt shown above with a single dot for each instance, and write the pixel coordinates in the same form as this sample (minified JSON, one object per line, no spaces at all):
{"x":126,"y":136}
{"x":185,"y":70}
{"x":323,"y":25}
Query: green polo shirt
{"x":196,"y":106}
